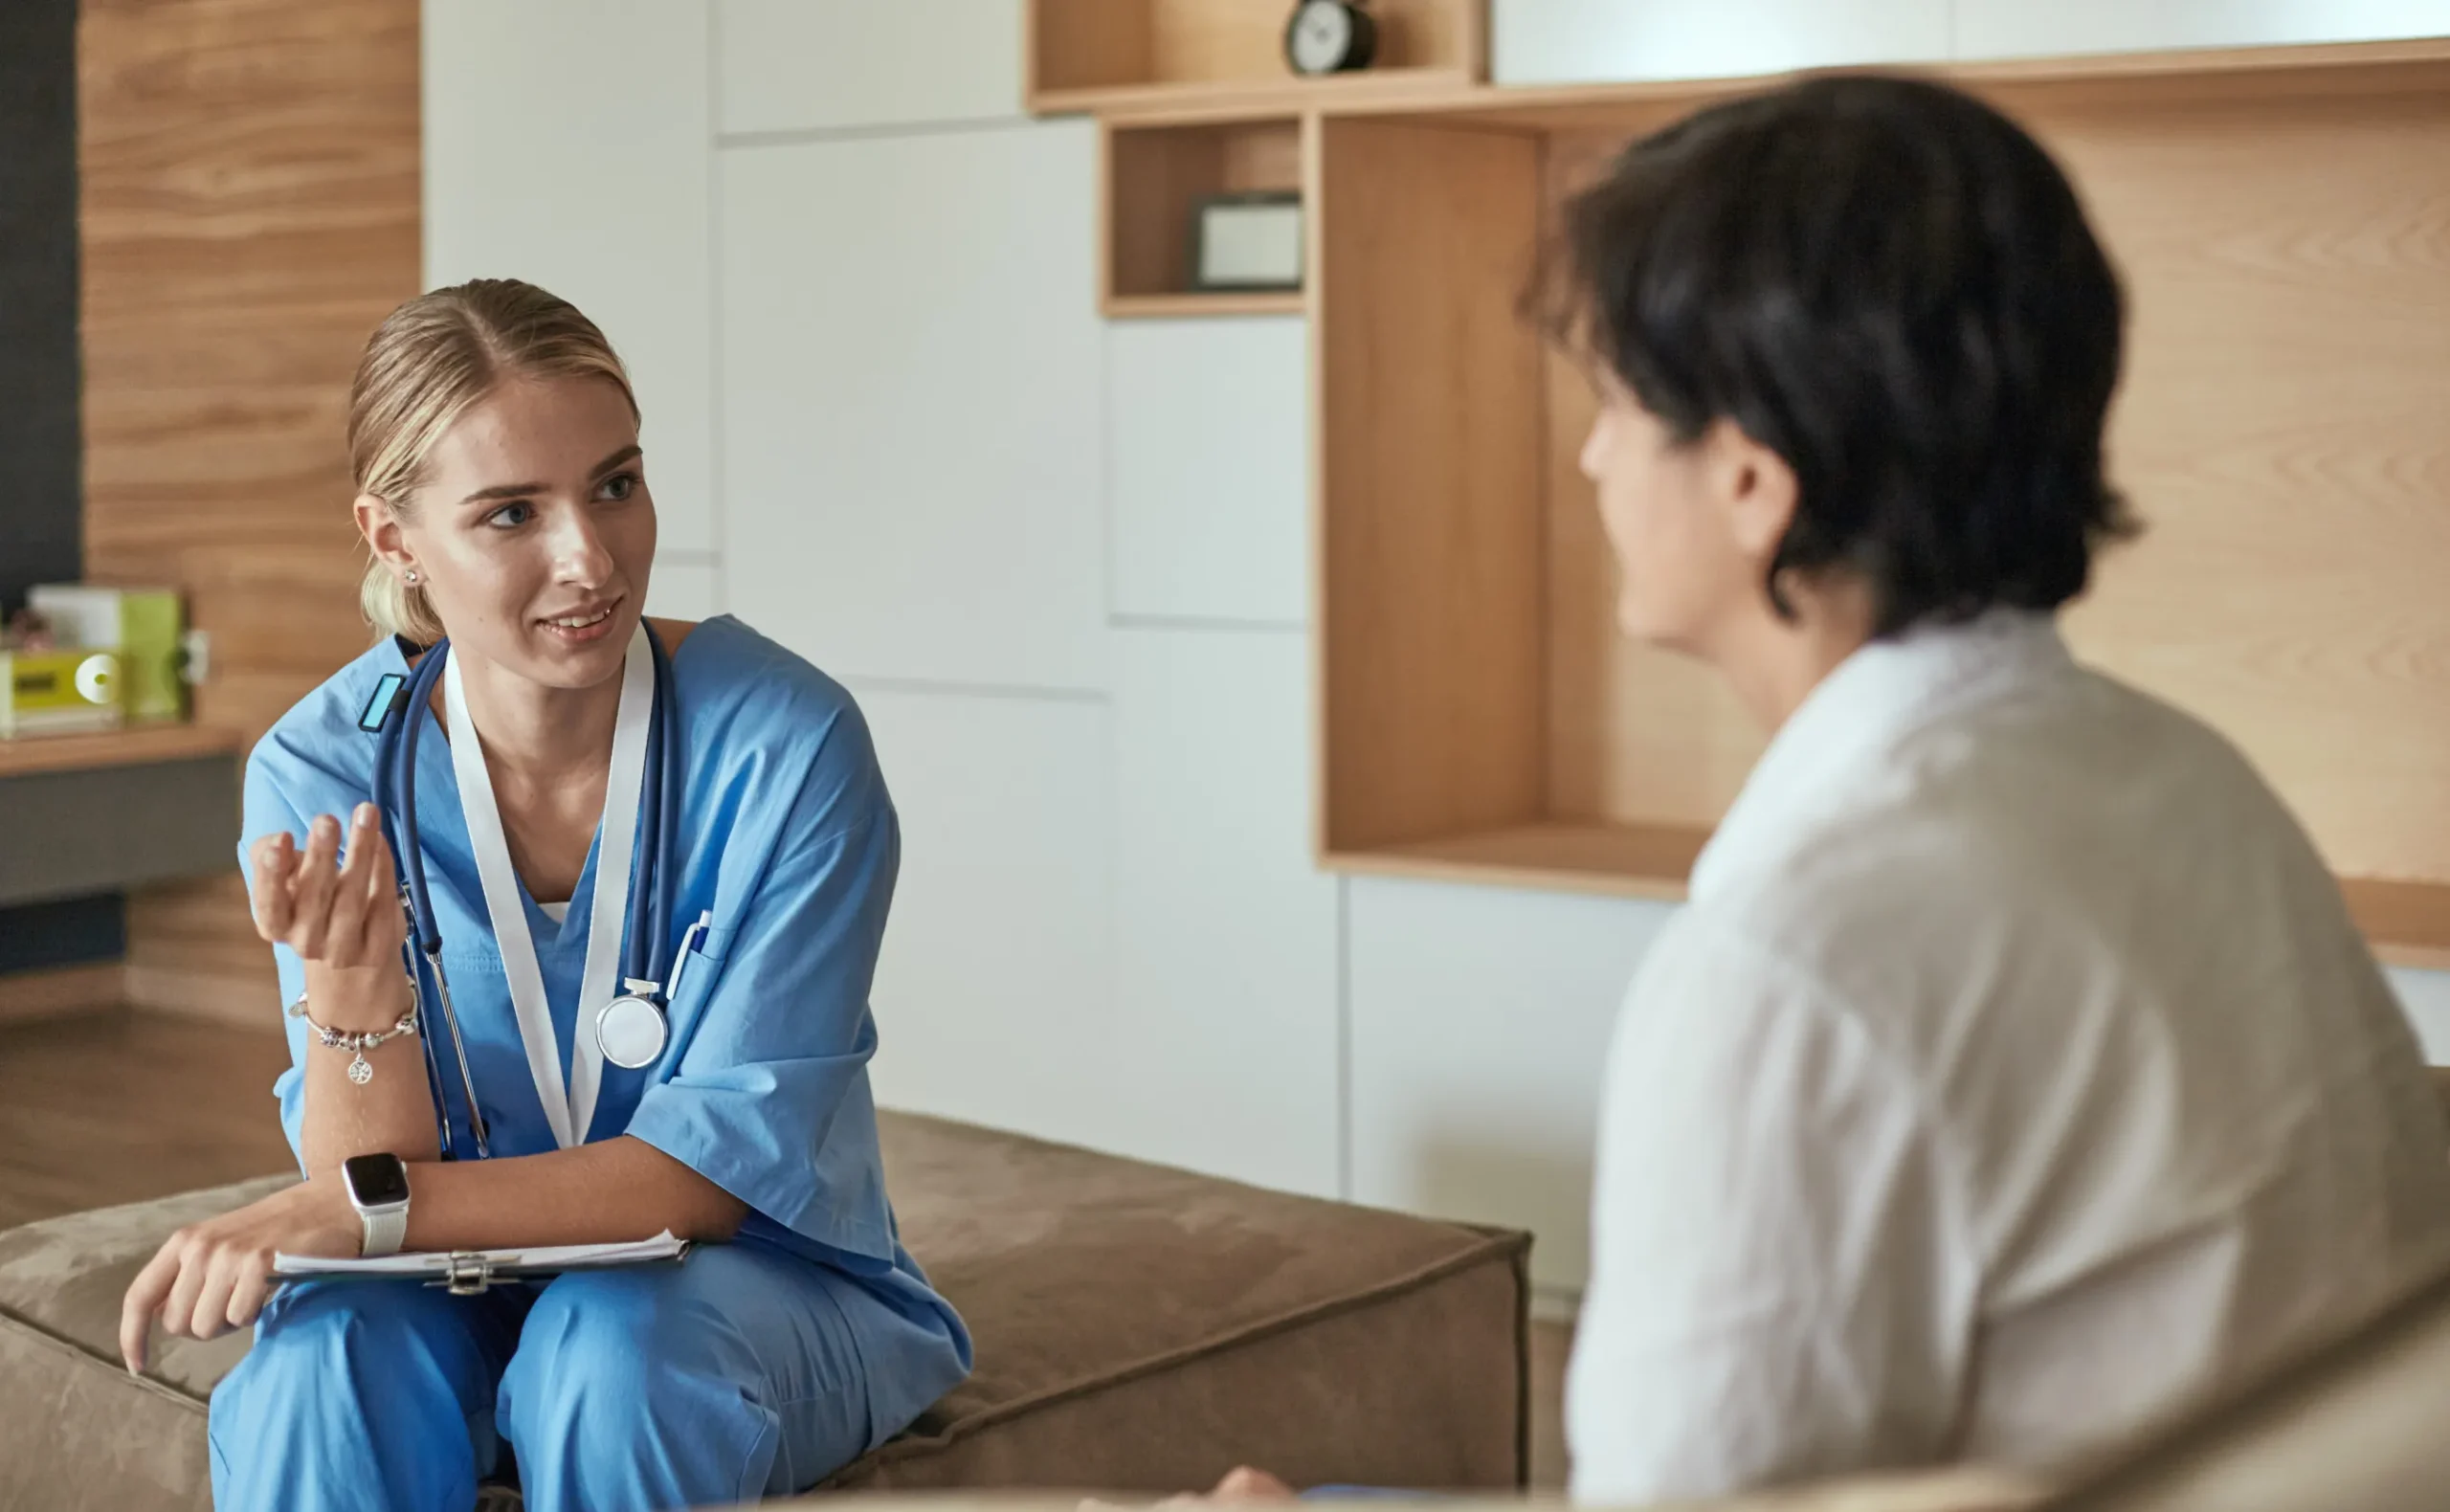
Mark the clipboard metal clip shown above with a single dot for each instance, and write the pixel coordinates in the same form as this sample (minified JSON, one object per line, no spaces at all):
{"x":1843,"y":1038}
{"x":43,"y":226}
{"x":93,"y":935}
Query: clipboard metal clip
{"x":466,"y":1274}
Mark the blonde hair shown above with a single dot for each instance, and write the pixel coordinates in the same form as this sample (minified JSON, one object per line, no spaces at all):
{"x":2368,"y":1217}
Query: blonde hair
{"x":424,"y":365}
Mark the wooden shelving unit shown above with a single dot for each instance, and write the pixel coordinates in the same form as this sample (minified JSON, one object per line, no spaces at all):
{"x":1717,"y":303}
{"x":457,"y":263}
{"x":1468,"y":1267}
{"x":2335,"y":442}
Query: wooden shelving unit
{"x":31,"y":755}
{"x":2278,"y":215}
{"x":1154,"y":171}
{"x":1114,"y":56}
{"x":1195,"y":99}
{"x":1179,"y":306}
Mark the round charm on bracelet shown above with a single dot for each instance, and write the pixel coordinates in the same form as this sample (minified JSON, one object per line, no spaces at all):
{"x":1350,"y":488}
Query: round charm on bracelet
{"x":361,"y":1070}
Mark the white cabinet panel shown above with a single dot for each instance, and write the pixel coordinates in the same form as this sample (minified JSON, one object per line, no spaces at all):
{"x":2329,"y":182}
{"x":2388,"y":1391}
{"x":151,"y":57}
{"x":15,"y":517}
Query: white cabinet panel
{"x":1481,"y":1021}
{"x":688,"y":587}
{"x":1209,"y":458}
{"x":2021,"y":28}
{"x":912,"y":386}
{"x":568,"y":142}
{"x":1556,"y":41}
{"x":2426,"y":997}
{"x":994,"y":998}
{"x":794,"y":65}
{"x":1225,"y":938}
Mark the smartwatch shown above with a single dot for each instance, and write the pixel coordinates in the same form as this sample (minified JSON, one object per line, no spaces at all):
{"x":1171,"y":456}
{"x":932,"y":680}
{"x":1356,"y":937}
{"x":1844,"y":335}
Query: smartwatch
{"x":378,"y":1188}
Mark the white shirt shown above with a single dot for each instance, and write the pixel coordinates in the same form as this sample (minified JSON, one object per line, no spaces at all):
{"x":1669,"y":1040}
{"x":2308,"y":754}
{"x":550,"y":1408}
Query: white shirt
{"x":2013,"y":1071}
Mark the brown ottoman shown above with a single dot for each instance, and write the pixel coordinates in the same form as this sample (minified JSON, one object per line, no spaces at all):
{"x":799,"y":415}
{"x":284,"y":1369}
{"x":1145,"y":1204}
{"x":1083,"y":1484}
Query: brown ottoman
{"x":1138,"y":1328}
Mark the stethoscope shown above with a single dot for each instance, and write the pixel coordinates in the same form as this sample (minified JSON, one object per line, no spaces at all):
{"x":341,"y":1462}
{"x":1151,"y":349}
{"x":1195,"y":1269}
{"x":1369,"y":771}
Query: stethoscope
{"x":632,"y":1029}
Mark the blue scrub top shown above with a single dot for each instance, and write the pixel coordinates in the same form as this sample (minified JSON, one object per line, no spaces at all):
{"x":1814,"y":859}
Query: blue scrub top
{"x":788,"y":837}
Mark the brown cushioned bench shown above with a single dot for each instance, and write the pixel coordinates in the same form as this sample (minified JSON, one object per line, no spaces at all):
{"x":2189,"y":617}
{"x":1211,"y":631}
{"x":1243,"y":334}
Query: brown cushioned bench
{"x":1137,"y":1329}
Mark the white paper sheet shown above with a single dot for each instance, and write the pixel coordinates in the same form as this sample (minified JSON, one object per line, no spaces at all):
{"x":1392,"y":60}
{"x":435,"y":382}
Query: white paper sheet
{"x":436,"y":1263}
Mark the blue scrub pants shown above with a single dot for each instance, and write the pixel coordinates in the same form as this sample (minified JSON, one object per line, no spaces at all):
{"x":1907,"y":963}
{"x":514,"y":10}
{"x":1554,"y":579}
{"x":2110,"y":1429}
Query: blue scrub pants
{"x":730,"y":1376}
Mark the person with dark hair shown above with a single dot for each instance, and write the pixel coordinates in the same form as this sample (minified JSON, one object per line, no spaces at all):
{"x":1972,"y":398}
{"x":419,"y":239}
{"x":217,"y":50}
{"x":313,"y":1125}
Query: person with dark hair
{"x":2015,"y":1070}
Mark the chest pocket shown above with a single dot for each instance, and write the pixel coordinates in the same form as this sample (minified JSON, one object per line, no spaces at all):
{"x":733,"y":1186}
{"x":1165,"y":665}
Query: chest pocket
{"x":699,"y":972}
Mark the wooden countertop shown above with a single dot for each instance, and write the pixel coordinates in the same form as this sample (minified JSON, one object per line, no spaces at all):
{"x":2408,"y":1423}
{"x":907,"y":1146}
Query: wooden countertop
{"x":139,"y":746}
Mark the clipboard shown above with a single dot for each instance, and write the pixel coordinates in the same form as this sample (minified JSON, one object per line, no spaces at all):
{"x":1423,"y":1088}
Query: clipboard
{"x":470,"y":1272}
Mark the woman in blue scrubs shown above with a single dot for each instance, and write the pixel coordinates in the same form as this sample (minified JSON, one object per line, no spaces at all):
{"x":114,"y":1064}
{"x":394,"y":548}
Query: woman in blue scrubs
{"x":502,"y":492}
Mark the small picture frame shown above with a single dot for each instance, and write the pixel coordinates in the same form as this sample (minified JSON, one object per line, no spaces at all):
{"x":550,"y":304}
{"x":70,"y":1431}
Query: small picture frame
{"x":1246,"y":242}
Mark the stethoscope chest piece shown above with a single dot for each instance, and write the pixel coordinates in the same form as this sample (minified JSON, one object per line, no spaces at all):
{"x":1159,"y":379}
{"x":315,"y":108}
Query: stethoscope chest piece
{"x":630,"y":1031}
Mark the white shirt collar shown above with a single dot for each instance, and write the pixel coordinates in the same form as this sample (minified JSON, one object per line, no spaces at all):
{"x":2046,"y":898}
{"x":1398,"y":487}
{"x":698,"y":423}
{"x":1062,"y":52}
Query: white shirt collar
{"x":1884,"y":691}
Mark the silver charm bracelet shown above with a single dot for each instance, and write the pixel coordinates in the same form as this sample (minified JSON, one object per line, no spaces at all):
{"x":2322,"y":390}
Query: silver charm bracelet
{"x":360,"y":1070}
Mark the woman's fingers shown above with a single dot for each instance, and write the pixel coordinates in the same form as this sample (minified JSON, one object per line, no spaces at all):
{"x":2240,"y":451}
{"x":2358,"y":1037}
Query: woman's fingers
{"x":195,"y":1262}
{"x":344,"y":942}
{"x":144,"y":1302}
{"x":211,"y":1317}
{"x":1246,"y":1483}
{"x":275,"y":857}
{"x":237,"y":1278}
{"x":247,"y":1297}
{"x":311,"y":893}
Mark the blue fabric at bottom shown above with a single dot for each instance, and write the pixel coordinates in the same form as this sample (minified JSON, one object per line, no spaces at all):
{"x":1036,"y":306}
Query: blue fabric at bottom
{"x":734,"y":1375}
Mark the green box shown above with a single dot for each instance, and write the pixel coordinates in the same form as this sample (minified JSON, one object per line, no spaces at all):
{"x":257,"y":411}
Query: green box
{"x":59,"y":692}
{"x":146,"y":627}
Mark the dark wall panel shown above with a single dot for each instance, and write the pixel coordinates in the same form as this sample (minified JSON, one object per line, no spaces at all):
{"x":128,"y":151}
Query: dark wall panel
{"x":39,"y":439}
{"x":41,"y":493}
{"x":70,"y":931}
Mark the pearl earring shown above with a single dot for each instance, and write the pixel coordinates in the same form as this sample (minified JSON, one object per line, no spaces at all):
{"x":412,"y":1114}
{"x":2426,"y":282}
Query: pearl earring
{"x":412,"y":577}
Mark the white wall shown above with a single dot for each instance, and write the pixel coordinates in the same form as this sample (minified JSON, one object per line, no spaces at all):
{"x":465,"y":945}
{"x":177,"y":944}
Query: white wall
{"x":567,"y":144}
{"x":1065,"y":562}
{"x":1558,"y":41}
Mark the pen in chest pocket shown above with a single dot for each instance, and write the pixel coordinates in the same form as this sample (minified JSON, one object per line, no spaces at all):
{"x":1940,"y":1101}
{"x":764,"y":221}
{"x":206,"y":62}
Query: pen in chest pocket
{"x":691,"y":942}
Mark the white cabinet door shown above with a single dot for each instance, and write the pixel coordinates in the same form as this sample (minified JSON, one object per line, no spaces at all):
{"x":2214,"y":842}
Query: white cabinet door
{"x":799,"y":65}
{"x":1208,"y":448}
{"x":1558,"y":41}
{"x":569,"y":143}
{"x":1481,"y":1022}
{"x":993,"y":997}
{"x":912,"y":381}
{"x":1225,"y":934}
{"x":2426,"y":997}
{"x":2021,"y":28}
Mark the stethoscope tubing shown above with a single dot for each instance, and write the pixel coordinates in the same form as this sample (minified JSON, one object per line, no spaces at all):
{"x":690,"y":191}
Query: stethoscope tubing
{"x":652,"y":900}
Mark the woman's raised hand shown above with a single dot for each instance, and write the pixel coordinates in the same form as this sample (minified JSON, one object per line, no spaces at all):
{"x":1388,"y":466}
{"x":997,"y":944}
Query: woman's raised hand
{"x":329,"y":902}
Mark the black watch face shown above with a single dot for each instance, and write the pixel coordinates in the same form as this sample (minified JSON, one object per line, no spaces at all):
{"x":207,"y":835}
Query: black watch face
{"x":375,"y":1181}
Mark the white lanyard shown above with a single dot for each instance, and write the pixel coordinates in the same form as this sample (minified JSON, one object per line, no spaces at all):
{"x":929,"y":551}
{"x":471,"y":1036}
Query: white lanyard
{"x":623,"y":795}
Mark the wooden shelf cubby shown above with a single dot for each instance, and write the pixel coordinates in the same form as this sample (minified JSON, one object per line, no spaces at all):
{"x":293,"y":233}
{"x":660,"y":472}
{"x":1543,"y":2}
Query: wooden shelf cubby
{"x":1122,"y":55}
{"x":2280,"y":218}
{"x":1154,"y":174}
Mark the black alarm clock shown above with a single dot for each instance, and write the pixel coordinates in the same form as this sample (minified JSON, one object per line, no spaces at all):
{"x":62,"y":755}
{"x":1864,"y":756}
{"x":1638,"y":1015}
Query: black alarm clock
{"x":1329,"y":37}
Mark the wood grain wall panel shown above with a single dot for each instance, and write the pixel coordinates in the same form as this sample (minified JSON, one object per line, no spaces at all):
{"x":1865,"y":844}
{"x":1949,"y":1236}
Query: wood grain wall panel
{"x":1429,"y":445}
{"x":250,"y":211}
{"x":2280,"y":430}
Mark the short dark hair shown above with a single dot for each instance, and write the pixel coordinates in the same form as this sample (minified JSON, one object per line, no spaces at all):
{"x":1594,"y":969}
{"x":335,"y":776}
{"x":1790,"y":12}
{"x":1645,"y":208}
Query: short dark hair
{"x":1892,"y":286}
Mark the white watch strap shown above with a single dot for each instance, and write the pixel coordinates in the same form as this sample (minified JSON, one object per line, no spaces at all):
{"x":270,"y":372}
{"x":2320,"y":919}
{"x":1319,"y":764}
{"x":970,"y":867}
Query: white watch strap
{"x":386,"y":1230}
